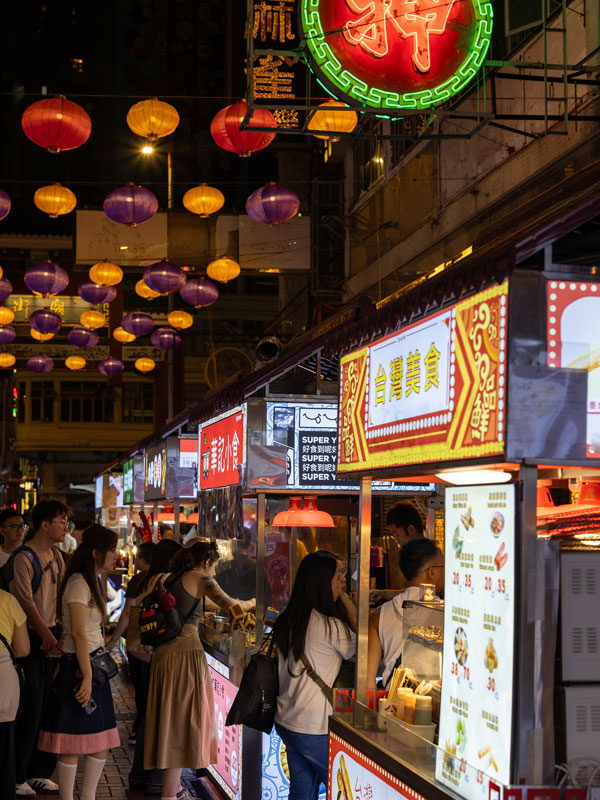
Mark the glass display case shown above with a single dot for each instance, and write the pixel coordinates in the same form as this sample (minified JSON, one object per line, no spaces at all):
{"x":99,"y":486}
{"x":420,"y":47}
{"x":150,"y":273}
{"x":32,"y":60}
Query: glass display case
{"x":423,"y":638}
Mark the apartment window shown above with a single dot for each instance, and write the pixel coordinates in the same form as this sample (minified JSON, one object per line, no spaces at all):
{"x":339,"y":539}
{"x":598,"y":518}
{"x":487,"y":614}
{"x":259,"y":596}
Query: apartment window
{"x":138,"y":403}
{"x":82,"y":401}
{"x":368,"y":160}
{"x":42,"y":400}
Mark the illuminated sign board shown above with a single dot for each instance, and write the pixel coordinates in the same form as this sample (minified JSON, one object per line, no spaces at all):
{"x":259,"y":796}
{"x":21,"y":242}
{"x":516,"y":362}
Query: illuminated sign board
{"x":227,"y":770}
{"x":155,"y":481}
{"x":396,"y":54}
{"x":433,"y":391}
{"x":98,"y":486}
{"x":573,"y":342}
{"x":182,"y":472}
{"x":222,"y":449}
{"x":128,"y":481}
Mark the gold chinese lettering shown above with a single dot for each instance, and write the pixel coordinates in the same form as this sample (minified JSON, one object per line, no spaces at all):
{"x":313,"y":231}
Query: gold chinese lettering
{"x":396,"y":371}
{"x":413,"y":373}
{"x":380,"y":380}
{"x":431,"y":365}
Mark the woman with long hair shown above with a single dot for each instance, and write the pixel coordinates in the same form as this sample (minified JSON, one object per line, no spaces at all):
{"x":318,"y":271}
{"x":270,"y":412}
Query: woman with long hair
{"x":180,"y":722}
{"x":80,"y":718}
{"x":316,"y":627}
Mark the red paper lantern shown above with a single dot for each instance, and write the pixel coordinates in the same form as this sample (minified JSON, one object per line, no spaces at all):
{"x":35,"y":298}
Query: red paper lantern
{"x":225,"y":129}
{"x":56,"y":124}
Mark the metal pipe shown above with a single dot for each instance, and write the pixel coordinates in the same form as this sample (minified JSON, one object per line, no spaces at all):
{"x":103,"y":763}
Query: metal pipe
{"x":364,"y":564}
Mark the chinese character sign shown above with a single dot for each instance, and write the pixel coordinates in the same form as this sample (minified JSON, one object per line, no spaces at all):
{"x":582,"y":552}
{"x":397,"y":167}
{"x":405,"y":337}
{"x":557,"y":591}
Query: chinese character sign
{"x":433,"y":391}
{"x":156,"y":473}
{"x":223,"y":449}
{"x":396,"y":53}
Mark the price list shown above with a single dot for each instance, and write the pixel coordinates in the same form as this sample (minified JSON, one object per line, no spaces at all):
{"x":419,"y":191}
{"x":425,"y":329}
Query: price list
{"x":476,"y":709}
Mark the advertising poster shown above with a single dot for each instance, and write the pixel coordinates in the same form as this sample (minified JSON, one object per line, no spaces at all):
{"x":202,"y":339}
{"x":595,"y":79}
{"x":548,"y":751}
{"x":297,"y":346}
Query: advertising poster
{"x":222,"y":449}
{"x":275,"y":770}
{"x":431,"y":392}
{"x":353,"y":776}
{"x":228,"y":769}
{"x":155,"y":482}
{"x":476,"y":712}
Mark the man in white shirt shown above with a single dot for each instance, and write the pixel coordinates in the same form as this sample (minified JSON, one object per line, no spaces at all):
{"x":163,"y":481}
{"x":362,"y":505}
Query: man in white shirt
{"x":12,"y":529}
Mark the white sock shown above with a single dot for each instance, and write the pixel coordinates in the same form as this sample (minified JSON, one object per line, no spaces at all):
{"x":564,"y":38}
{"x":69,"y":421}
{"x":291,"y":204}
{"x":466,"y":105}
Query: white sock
{"x":66,"y":779}
{"x":92,"y":769}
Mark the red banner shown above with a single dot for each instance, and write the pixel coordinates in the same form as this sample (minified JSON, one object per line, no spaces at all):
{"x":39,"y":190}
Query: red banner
{"x":433,"y":391}
{"x":222,"y":449}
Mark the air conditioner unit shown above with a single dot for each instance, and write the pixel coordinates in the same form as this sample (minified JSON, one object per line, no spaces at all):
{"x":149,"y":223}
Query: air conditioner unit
{"x":580,"y":617}
{"x":582,"y":731}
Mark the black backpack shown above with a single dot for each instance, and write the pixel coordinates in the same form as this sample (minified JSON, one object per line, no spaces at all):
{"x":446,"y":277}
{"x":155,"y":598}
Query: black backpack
{"x":7,"y":571}
{"x":159,"y":620}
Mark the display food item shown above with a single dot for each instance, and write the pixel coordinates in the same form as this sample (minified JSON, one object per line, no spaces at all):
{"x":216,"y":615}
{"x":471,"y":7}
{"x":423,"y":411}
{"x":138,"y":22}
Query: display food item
{"x":497,"y":523}
{"x":427,"y":592}
{"x":500,"y":558}
{"x":457,"y":541}
{"x":483,"y":751}
{"x":428,"y":635}
{"x":461,"y":646}
{"x":343,"y":781}
{"x":461,"y":735}
{"x":449,"y":754}
{"x":490,"y":660}
{"x":467,"y":519}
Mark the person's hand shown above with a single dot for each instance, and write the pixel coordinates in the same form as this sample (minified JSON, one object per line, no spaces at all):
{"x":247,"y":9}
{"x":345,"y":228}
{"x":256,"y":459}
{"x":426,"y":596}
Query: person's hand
{"x":49,"y":644}
{"x":250,"y":605}
{"x":84,"y":691}
{"x":111,"y":643}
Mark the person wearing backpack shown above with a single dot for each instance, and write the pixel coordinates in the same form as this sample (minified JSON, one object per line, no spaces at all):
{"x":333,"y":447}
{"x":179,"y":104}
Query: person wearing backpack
{"x":32,"y":574}
{"x":12,"y":529}
{"x":313,"y":635}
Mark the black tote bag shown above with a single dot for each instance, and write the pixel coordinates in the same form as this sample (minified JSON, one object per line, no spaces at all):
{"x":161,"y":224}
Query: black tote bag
{"x":256,"y":700}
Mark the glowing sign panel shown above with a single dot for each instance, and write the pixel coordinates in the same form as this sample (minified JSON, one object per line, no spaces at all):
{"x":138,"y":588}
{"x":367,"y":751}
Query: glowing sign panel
{"x":222,"y":449}
{"x":396,"y":54}
{"x":431,"y":392}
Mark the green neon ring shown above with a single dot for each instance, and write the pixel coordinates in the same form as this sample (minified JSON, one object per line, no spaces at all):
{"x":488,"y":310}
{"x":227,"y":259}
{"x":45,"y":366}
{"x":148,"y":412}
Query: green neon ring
{"x":331,"y":72}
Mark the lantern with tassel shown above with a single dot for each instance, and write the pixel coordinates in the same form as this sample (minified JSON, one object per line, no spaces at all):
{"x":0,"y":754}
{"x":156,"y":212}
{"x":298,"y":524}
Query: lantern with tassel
{"x":40,"y":363}
{"x":82,"y":336}
{"x":203,"y":200}
{"x":46,"y":279}
{"x":75,"y":362}
{"x":138,"y":322}
{"x":272,"y":204}
{"x":56,"y":124}
{"x":111,"y":367}
{"x":152,"y":119}
{"x":223,"y":269}
{"x":145,"y":364}
{"x":105,"y":273}
{"x":130,"y":205}
{"x":226,"y":130}
{"x":7,"y":360}
{"x":199,"y":292}
{"x":55,"y":200}
{"x":45,"y":321}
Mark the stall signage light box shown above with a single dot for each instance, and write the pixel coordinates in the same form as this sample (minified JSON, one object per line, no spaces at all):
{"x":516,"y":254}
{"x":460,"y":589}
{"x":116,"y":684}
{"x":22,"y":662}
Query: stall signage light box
{"x":155,"y":483}
{"x":227,"y":770}
{"x":573,"y":342}
{"x":128,"y":481}
{"x":434,"y":391}
{"x":222,"y":449}
{"x":476,"y":710}
{"x":182,"y":477}
{"x":309,"y":431}
{"x":396,"y":54}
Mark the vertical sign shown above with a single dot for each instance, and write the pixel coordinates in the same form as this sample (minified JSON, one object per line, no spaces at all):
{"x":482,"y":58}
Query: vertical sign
{"x":476,"y":712}
{"x":228,"y":769}
{"x":128,"y":481}
{"x":222,"y":449}
{"x":155,"y":484}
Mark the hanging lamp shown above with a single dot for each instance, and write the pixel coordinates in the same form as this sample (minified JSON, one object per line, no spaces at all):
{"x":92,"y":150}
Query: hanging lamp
{"x":310,"y":515}
{"x":281,"y":519}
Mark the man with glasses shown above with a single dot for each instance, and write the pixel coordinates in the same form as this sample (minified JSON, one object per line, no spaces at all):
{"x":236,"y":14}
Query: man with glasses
{"x":12,"y":529}
{"x":35,"y":575}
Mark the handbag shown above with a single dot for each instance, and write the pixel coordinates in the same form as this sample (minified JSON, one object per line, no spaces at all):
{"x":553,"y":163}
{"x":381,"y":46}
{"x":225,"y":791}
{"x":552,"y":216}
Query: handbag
{"x":104,"y":667}
{"x":159,"y":619}
{"x":256,"y":700}
{"x":18,"y":667}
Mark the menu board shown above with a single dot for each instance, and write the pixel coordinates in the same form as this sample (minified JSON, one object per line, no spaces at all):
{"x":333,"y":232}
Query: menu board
{"x":476,"y":712}
{"x":227,"y":770}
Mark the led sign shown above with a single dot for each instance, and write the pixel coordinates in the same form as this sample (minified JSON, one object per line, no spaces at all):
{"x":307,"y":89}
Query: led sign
{"x":155,"y":483}
{"x":396,"y":54}
{"x":222,"y":449}
{"x":128,"y":481}
{"x":434,"y":391}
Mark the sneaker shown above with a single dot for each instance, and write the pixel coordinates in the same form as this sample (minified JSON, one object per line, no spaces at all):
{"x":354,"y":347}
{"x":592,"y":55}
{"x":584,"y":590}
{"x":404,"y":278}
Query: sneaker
{"x":43,"y":785}
{"x":24,"y":790}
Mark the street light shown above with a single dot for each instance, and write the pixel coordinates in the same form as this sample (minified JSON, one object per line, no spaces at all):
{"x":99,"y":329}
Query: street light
{"x":148,"y":150}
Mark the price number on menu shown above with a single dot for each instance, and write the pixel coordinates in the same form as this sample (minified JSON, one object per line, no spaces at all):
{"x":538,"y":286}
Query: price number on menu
{"x":463,"y":672}
{"x":468,"y":580}
{"x":501,"y":587}
{"x":491,"y":684}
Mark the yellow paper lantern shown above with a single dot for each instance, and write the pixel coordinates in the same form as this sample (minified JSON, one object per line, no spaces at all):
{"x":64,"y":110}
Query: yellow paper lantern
{"x":180,"y":320}
{"x":145,"y":364}
{"x":330,"y":119}
{"x":1,"y":272}
{"x":41,"y":337}
{"x":223,"y":269}
{"x":7,"y":360}
{"x":152,"y":119}
{"x":105,"y":273}
{"x":122,"y":336}
{"x":92,"y":319}
{"x":75,"y":362}
{"x":143,"y":290}
{"x":6,"y":315}
{"x":55,"y":200}
{"x":203,"y":200}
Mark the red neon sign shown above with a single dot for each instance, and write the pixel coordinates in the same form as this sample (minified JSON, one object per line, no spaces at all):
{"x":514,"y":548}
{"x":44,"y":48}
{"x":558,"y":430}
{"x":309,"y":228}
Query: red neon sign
{"x":222,"y":450}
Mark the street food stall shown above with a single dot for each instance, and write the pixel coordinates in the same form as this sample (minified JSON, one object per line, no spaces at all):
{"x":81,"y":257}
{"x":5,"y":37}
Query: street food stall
{"x":493,"y":395}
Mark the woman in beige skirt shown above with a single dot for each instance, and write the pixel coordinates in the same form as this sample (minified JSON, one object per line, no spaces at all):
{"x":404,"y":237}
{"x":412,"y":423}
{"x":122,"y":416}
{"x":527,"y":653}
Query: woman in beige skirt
{"x":180,"y":718}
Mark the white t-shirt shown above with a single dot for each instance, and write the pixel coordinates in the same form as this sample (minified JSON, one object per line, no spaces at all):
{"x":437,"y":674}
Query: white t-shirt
{"x":391,"y":628}
{"x":3,"y":557}
{"x":77,"y":591}
{"x":301,"y":705}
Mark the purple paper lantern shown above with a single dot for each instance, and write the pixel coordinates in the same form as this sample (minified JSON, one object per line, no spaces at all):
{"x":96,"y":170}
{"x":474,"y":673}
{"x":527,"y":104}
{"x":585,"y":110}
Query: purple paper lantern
{"x":137,"y":322}
{"x":81,"y":336}
{"x":165,"y":338}
{"x":94,"y":293}
{"x":7,"y":334}
{"x":111,"y":367}
{"x":46,"y":278}
{"x":45,"y":321}
{"x":5,"y":288}
{"x":164,"y":277}
{"x":40,"y":364}
{"x":272,"y":204}
{"x":199,"y":292}
{"x":130,"y":205}
{"x":5,"y":204}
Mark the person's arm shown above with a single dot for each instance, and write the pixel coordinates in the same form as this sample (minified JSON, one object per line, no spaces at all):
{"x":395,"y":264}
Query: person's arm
{"x":121,"y":624}
{"x":21,"y":589}
{"x":213,"y":591}
{"x":20,"y":641}
{"x":375,"y":651}
{"x":77,"y":612}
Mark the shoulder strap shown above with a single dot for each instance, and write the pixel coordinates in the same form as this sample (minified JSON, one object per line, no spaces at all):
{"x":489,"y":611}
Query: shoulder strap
{"x":327,"y":690}
{"x":10,"y":650}
{"x":35,"y":562}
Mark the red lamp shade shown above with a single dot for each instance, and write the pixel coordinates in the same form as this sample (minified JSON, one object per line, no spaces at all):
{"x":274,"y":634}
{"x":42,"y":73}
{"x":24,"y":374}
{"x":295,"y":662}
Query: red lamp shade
{"x":82,"y":337}
{"x":310,"y":516}
{"x":193,"y":518}
{"x":94,"y":293}
{"x":281,"y":518}
{"x":40,"y":364}
{"x":111,"y":367}
{"x":56,"y":124}
{"x":45,"y":321}
{"x":165,"y":338}
{"x":5,"y":204}
{"x":130,"y":205}
{"x":199,"y":292}
{"x":5,"y":288}
{"x":227,"y":133}
{"x":164,"y":277}
{"x":46,"y":278}
{"x":272,"y":204}
{"x":137,"y":322}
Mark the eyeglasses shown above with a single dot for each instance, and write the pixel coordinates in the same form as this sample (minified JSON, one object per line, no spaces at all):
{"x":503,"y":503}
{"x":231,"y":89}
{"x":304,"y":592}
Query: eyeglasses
{"x":20,"y":527}
{"x":64,"y":522}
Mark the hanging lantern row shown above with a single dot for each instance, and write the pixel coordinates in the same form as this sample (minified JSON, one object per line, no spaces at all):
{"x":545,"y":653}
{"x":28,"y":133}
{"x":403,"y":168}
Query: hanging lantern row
{"x":110,"y":367}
